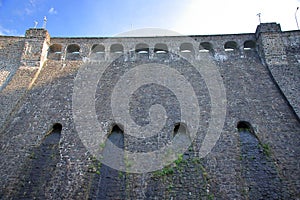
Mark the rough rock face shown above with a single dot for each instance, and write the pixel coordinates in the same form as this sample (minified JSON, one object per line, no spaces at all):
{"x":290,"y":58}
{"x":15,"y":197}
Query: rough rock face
{"x":245,"y":97}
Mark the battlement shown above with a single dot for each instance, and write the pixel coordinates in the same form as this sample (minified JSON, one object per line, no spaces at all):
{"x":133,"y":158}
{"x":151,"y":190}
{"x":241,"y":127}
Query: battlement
{"x":76,"y":49}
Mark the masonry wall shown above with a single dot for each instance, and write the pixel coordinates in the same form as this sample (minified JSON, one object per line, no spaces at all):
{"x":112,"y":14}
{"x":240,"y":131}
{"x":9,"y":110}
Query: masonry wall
{"x":252,"y":94}
{"x":11,"y":50}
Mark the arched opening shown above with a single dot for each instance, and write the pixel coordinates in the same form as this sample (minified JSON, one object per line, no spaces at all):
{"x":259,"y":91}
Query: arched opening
{"x":160,"y":48}
{"x":55,"y":48}
{"x":259,"y":172}
{"x":187,"y":48}
{"x":116,"y":48}
{"x":57,"y":127}
{"x":73,"y":48}
{"x":97,"y":52}
{"x":54,"y":52}
{"x":205,"y":47}
{"x":116,"y":136}
{"x":73,"y":52}
{"x":98,"y":48}
{"x":181,"y":137}
{"x":142,"y":51}
{"x":176,"y":129}
{"x":245,"y":126}
{"x":142,"y":48}
{"x":109,"y":176}
{"x":230,"y":46}
{"x":249,"y":44}
{"x":42,"y":165}
{"x":180,"y":128}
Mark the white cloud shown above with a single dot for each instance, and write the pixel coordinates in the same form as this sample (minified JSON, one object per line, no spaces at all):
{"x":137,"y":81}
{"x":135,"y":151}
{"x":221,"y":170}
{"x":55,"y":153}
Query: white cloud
{"x":28,"y":11}
{"x":52,"y":11}
{"x":234,"y":16}
{"x":32,"y":3}
{"x":4,"y":31}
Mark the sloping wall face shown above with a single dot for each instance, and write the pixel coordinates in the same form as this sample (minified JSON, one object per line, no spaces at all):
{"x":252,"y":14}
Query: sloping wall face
{"x":10,"y":52}
{"x":248,"y":83}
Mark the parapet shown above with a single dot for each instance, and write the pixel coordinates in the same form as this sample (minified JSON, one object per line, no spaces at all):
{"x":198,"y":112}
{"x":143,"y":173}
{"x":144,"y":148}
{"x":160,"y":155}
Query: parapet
{"x":267,"y":28}
{"x":38,"y":33}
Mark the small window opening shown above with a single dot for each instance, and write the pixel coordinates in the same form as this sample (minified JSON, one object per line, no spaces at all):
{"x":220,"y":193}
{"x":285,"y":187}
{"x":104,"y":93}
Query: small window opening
{"x":98,"y":48}
{"x":250,"y":44}
{"x":186,"y":48}
{"x":205,"y":47}
{"x":160,"y":49}
{"x":116,"y":48}
{"x":73,"y":48}
{"x":55,"y":48}
{"x":142,"y":48}
{"x":230,"y":46}
{"x":245,"y":126}
{"x":57,"y":127}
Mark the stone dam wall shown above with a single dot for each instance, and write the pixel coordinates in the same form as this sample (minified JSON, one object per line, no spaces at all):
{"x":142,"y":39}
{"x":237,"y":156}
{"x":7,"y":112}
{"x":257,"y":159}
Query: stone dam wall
{"x":256,"y":155}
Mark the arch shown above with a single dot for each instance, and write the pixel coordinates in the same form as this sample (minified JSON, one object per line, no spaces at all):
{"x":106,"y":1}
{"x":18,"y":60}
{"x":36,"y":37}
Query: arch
{"x":255,"y":158}
{"x":142,"y":48}
{"x":116,"y":136}
{"x":55,"y":48}
{"x":230,"y":46}
{"x":160,"y":48}
{"x":73,"y":52}
{"x":187,"y":48}
{"x":205,"y":47}
{"x":181,"y":136}
{"x":249,"y":44}
{"x":116,"y":48}
{"x":73,"y":48}
{"x":180,"y":128}
{"x":57,"y":127}
{"x":116,"y":128}
{"x":107,"y":175}
{"x":176,"y":129}
{"x":244,"y":125}
{"x":54,"y":52}
{"x":42,"y":165}
{"x":98,"y":48}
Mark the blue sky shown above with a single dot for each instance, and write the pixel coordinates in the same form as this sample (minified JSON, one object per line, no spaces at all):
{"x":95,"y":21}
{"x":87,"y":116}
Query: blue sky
{"x":110,"y":17}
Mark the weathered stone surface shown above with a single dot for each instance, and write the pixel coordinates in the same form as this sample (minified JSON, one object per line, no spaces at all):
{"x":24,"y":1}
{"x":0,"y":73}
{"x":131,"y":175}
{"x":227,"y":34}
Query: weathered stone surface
{"x":262,"y":87}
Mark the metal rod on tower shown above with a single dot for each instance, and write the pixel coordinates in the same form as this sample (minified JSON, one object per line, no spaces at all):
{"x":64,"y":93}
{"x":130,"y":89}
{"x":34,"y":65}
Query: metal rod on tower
{"x":296,"y":18}
{"x":45,"y":22}
{"x":259,"y":14}
{"x":35,"y":24}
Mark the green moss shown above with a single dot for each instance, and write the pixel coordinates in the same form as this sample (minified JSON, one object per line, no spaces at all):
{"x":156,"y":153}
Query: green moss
{"x":179,"y":160}
{"x":244,"y":129}
{"x":32,"y":155}
{"x":168,"y":170}
{"x":266,"y":149}
{"x":210,"y":196}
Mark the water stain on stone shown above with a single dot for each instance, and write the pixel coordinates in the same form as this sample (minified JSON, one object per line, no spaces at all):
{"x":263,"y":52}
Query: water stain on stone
{"x":43,"y":163}
{"x":258,"y":169}
{"x":109,"y":183}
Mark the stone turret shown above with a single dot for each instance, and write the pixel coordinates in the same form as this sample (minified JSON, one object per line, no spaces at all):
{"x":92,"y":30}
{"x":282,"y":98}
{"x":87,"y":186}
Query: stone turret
{"x":270,"y":45}
{"x":35,"y":47}
{"x":272,"y":51}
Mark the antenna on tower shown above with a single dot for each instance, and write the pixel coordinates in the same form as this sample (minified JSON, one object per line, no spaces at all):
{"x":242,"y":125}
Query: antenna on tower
{"x":35,"y":24}
{"x":259,"y":14}
{"x":45,"y":22}
{"x":296,"y":17}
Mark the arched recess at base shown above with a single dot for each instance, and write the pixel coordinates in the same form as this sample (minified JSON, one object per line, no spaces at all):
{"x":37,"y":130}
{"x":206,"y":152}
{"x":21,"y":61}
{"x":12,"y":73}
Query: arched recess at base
{"x":41,"y":165}
{"x":109,"y":183}
{"x":261,"y":178}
